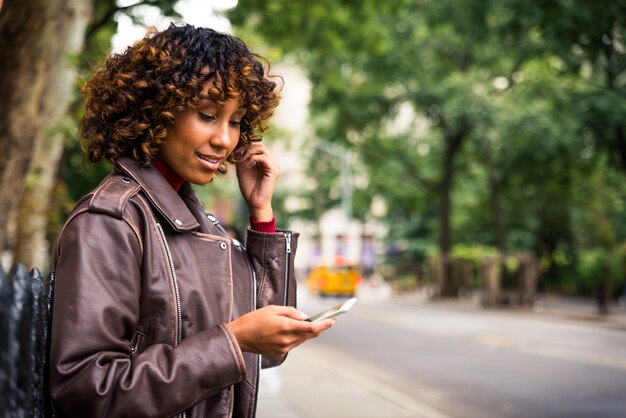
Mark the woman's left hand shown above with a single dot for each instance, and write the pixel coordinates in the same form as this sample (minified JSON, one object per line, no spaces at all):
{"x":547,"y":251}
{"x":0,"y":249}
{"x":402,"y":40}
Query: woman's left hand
{"x":257,"y":174}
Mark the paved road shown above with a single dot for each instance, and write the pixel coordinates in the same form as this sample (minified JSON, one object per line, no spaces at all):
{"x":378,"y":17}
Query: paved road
{"x":390,"y":358}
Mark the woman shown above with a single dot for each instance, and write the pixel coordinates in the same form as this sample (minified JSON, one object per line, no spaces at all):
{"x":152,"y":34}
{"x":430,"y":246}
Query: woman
{"x":158,"y":312}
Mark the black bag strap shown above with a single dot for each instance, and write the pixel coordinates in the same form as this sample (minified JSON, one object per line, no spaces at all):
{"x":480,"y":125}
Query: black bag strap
{"x":48,"y":411}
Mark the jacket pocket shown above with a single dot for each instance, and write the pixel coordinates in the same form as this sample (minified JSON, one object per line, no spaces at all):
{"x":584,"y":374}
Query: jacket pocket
{"x":136,"y":343}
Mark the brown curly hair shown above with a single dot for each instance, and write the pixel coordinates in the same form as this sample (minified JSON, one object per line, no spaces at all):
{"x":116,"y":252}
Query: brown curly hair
{"x":134,"y":97}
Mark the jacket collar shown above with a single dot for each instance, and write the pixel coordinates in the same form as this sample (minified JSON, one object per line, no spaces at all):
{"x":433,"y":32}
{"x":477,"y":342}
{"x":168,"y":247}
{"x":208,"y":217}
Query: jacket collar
{"x":160,"y":193}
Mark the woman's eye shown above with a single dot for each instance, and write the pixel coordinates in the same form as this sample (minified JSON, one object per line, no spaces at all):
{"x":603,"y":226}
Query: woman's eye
{"x":206,"y":116}
{"x":235,"y":122}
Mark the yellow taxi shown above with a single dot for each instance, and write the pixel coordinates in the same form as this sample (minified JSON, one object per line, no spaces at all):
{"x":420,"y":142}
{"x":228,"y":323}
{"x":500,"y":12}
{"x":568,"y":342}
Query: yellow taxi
{"x":334,"y":280}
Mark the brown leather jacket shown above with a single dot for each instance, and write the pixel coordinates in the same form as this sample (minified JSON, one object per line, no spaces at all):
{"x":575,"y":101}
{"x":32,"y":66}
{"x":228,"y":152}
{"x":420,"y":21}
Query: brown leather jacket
{"x":145,"y":282}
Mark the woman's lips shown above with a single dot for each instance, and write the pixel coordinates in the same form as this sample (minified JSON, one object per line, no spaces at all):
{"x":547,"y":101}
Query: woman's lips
{"x":209,"y":161}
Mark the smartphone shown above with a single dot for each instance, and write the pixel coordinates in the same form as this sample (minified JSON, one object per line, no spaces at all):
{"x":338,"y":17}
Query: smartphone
{"x":334,"y":311}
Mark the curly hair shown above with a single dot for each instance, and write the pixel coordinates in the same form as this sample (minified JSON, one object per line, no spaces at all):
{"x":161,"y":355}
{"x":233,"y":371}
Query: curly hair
{"x":135,"y":96}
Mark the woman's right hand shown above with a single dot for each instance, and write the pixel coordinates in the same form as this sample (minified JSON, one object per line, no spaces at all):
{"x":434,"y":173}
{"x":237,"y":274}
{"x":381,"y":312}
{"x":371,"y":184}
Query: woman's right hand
{"x":275,"y":330}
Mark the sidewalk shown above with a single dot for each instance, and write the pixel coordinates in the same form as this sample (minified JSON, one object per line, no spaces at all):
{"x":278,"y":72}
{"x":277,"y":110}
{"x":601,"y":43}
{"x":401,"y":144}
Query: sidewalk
{"x":547,"y":305}
{"x":580,"y":309}
{"x":324,"y":386}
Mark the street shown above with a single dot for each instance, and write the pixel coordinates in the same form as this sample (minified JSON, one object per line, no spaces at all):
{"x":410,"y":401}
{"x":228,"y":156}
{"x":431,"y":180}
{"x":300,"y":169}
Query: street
{"x":409,"y":358}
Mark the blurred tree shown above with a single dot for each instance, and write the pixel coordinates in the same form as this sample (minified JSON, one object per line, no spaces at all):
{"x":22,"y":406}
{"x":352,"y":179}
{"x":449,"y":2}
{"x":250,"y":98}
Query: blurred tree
{"x":536,"y":88}
{"x":588,"y":40}
{"x":43,"y":41}
{"x":405,"y":82}
{"x":38,"y":41}
{"x":584,"y":92}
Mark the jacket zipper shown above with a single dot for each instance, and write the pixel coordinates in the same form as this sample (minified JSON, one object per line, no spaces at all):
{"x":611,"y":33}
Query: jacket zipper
{"x":259,"y":358}
{"x":170,"y":261}
{"x":287,"y":263}
{"x":179,"y":329}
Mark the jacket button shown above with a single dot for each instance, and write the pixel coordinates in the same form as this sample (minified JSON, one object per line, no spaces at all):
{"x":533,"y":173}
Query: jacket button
{"x":178,"y":222}
{"x":212,"y":219}
{"x":125,"y":180}
{"x":236,"y":243}
{"x":223,"y":245}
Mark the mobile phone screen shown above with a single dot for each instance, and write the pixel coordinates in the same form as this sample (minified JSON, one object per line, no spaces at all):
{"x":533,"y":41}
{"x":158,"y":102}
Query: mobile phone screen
{"x":334,"y":311}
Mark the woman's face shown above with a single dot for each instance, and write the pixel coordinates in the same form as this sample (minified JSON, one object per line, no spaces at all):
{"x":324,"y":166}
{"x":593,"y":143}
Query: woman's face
{"x":201,"y":139}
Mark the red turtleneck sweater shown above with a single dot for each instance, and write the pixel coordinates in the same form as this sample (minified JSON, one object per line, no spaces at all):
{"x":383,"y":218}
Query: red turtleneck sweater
{"x":176,"y":181}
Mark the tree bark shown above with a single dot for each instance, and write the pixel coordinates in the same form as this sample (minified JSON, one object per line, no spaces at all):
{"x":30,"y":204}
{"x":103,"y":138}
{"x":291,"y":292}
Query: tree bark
{"x":620,"y":144}
{"x":453,"y":146}
{"x":37,"y":38}
{"x":495,"y":188}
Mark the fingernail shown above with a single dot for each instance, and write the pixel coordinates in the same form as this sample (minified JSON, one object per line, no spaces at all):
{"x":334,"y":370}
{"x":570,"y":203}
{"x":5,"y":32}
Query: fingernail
{"x":302,"y":315}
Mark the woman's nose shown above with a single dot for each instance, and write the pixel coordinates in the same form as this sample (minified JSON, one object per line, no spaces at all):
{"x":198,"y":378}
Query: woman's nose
{"x":221,"y":136}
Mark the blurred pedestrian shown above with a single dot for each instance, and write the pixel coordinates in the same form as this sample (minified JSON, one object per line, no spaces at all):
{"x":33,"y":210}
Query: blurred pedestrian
{"x":367,"y":256}
{"x":157,"y":311}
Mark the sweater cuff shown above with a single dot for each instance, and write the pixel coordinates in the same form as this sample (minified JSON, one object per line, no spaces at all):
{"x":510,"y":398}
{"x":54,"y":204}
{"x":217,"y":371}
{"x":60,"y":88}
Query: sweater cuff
{"x":269,"y":226}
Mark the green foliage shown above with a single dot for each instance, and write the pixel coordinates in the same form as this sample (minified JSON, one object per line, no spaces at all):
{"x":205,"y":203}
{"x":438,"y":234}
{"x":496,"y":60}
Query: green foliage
{"x":534,"y":89}
{"x":598,"y":265}
{"x":474,"y":253}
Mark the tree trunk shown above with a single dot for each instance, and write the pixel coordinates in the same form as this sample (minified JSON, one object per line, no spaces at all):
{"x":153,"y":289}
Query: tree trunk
{"x":20,"y":71}
{"x":620,"y":144}
{"x":453,"y":146}
{"x":37,"y":38}
{"x":495,"y":189}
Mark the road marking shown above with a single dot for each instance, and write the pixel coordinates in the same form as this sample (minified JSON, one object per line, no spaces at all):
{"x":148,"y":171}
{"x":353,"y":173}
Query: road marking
{"x":578,"y":357}
{"x":499,"y":340}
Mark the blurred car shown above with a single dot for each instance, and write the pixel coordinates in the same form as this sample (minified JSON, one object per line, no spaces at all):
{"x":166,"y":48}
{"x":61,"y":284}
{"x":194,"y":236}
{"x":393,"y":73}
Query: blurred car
{"x":333,"y":280}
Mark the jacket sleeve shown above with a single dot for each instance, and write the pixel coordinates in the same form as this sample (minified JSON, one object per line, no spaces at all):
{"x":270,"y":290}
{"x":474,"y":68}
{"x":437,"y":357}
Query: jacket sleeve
{"x":96,"y":313}
{"x":273,"y":257}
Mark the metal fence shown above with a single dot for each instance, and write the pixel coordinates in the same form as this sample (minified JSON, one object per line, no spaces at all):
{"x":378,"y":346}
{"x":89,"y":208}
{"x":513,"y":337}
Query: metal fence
{"x":25,"y":306}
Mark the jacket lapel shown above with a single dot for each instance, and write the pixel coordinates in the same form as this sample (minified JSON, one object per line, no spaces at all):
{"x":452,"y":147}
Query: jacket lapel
{"x":164,"y":198}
